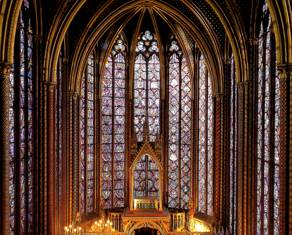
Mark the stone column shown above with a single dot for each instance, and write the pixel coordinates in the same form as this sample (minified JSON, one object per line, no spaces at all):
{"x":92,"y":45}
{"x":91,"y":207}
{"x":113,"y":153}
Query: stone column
{"x":75,"y":155}
{"x":72,"y":159}
{"x":4,"y":154}
{"x":51,"y":161}
{"x":240,"y":156}
{"x":285,"y":162}
{"x":225,"y":201}
{"x":217,"y":156}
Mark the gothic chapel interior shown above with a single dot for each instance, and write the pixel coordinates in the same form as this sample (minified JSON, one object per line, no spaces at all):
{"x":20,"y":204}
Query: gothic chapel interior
{"x":133,"y":117}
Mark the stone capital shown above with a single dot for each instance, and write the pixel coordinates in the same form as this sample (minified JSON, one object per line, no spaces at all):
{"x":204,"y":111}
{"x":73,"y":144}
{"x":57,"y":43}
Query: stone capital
{"x":73,"y":94}
{"x":219,"y":95}
{"x":37,"y":38}
{"x":285,"y":71}
{"x":52,"y":86}
{"x":5,"y":69}
{"x":253,"y":41}
{"x":227,"y":61}
{"x":285,"y":68}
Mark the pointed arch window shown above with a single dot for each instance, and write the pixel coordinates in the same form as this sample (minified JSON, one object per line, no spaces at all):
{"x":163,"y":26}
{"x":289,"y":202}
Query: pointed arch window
{"x":268,"y":131}
{"x":147,"y":86}
{"x":21,"y":127}
{"x":233,"y":150}
{"x":179,"y":134}
{"x":87,"y":137}
{"x":113,"y":127}
{"x":205,"y":156}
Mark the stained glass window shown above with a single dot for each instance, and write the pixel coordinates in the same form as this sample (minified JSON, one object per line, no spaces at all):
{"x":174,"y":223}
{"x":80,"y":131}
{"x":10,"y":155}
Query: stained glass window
{"x":268,"y":132}
{"x":87,"y":124}
{"x":113,"y":128}
{"x":205,"y":164}
{"x":11,"y":153}
{"x":179,"y":135}
{"x":146,"y":178}
{"x":21,"y":126}
{"x":233,"y":151}
{"x":147,"y":86}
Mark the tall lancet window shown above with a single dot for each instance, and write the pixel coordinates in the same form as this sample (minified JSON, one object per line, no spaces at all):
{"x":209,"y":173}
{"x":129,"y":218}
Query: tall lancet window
{"x":179,"y":130}
{"x":205,"y":164}
{"x":21,"y":127}
{"x":113,"y":127}
{"x":268,"y":132}
{"x":147,"y":86}
{"x":233,"y":150}
{"x":87,"y":140}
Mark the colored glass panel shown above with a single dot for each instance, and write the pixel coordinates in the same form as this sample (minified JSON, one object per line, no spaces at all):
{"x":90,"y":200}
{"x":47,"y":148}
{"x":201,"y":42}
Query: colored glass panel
{"x":268,"y":131}
{"x":146,"y":178}
{"x":179,"y":135}
{"x":205,"y":164}
{"x":113,"y":128}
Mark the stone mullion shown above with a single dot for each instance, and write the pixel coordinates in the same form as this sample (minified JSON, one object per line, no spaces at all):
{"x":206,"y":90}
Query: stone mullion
{"x":128,"y":117}
{"x":195,"y":143}
{"x":164,"y":159}
{"x":288,"y":156}
{"x":244,"y":165}
{"x":16,"y":107}
{"x":51,"y":156}
{"x":97,"y":81}
{"x":65,"y":143}
{"x":247,"y":157}
{"x":217,"y":156}
{"x":131,"y":153}
{"x":75,"y":156}
{"x":4,"y":148}
{"x":99,"y":162}
{"x":43,"y":161}
{"x":271,"y":135}
{"x":39,"y":167}
{"x":285,"y":196}
{"x":37,"y":75}
{"x":251,"y":160}
{"x":241,"y":128}
{"x":69,"y":158}
{"x":165,"y":125}
{"x":225,"y":205}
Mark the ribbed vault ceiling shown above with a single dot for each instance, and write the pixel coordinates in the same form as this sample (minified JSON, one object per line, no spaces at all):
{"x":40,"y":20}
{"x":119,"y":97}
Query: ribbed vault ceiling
{"x":204,"y":13}
{"x":205,"y":23}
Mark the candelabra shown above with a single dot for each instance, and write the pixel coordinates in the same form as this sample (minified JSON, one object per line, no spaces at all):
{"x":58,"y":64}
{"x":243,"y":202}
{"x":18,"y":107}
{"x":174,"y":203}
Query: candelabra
{"x":103,"y":226}
{"x":72,"y":229}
